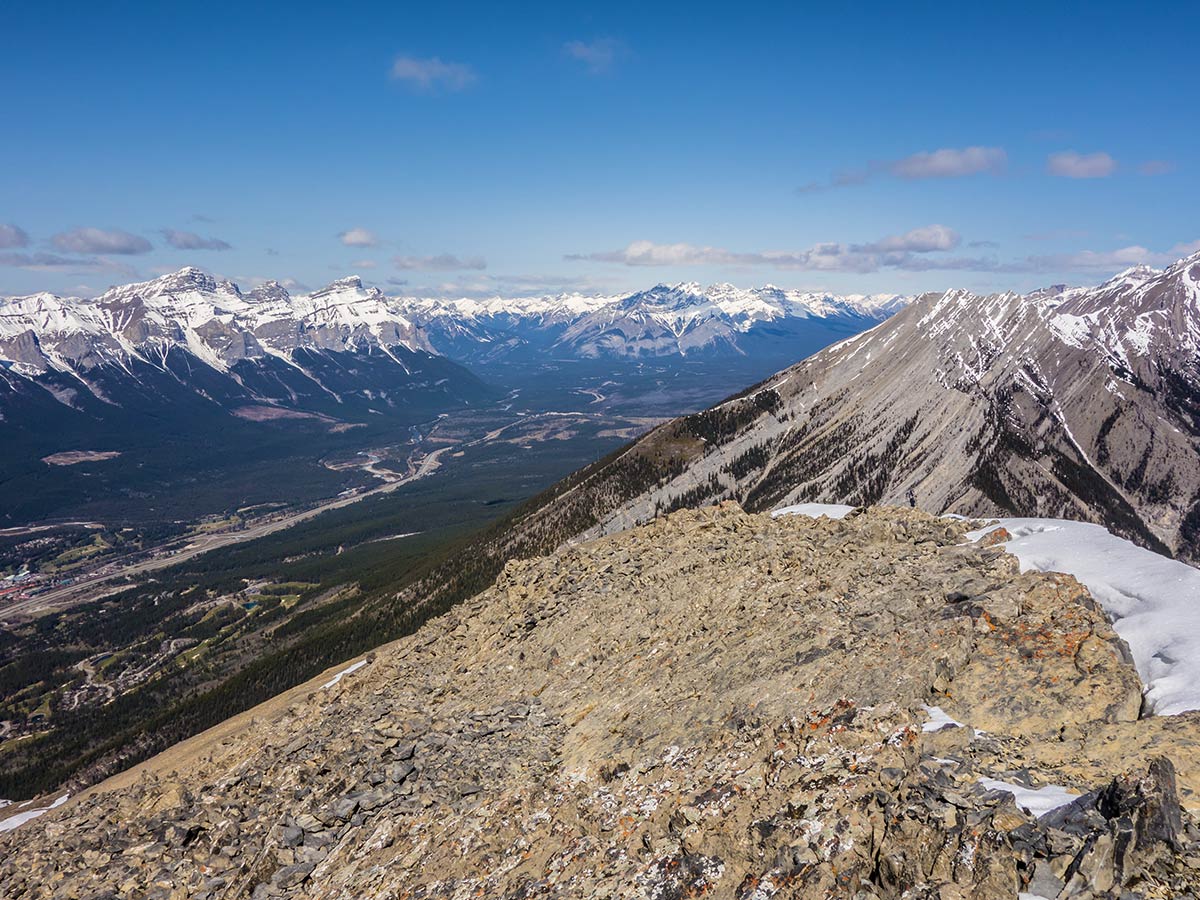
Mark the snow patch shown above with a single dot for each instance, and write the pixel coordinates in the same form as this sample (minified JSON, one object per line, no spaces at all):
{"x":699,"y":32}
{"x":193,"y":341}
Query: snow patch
{"x":1036,"y":801}
{"x":342,"y":674}
{"x":21,"y":818}
{"x":938,"y":719}
{"x":1153,"y":601}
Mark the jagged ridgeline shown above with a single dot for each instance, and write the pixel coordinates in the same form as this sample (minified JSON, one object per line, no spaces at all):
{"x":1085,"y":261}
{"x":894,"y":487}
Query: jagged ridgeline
{"x":1078,"y":404}
{"x":1063,"y":403}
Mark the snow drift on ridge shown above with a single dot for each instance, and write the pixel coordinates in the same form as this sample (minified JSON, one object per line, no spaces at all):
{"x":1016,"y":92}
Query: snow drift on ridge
{"x":1153,"y":601}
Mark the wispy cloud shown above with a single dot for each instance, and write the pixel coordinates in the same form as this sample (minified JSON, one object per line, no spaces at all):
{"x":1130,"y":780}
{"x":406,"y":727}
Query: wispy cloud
{"x":99,"y":240}
{"x":483,"y":285}
{"x":901,"y":251}
{"x":187,"y":240}
{"x":363,"y":264}
{"x":54,"y":262}
{"x":432,"y":74}
{"x":1111,"y":260}
{"x":648,"y":253}
{"x":951,"y":163}
{"x":946,"y":162}
{"x":358,"y":237}
{"x":927,"y":239}
{"x":919,"y":250}
{"x":13,"y":236}
{"x":1157,"y":167}
{"x":597,"y":55}
{"x":1057,"y":234}
{"x":442,"y":262}
{"x":1070,"y":164}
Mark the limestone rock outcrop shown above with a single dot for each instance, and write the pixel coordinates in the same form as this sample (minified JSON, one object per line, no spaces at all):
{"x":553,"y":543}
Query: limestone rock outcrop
{"x":717,"y":704}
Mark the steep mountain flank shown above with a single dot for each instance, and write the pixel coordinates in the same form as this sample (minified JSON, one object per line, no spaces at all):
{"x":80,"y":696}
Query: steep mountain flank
{"x":188,"y":337}
{"x":1079,"y":403}
{"x":215,"y":322}
{"x":223,"y":378}
{"x":716,"y":704}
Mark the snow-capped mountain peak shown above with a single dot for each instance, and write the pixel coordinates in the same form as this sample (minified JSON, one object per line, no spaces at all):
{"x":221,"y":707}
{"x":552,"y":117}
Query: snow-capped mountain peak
{"x":213,"y":320}
{"x":1072,"y":403}
{"x":349,"y":283}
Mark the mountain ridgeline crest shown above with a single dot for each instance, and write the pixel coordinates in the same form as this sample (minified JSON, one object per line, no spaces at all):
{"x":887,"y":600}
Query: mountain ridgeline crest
{"x":1080,"y":403}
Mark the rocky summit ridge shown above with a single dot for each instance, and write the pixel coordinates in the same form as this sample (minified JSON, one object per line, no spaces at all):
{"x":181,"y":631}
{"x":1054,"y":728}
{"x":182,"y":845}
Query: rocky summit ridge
{"x":715,"y":704}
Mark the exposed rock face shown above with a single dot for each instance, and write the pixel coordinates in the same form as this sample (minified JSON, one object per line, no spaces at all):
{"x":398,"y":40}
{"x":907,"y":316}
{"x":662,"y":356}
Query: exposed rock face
{"x":1069,"y":403}
{"x":186,"y":341}
{"x":182,"y":306}
{"x":717,"y":704}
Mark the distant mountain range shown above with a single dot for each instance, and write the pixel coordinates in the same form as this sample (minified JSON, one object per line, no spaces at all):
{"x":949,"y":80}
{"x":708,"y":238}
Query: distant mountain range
{"x":215,"y":322}
{"x":342,"y":349}
{"x":1066,"y":402}
{"x":186,"y":375}
{"x":347,"y":348}
{"x":1079,"y":403}
{"x":666,"y":320}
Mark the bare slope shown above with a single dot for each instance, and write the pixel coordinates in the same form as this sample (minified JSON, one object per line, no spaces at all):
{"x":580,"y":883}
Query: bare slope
{"x":1080,"y":404}
{"x":718,"y":703}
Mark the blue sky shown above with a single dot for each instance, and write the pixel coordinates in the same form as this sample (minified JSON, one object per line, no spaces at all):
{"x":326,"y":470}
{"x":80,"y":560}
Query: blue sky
{"x":470,"y":149}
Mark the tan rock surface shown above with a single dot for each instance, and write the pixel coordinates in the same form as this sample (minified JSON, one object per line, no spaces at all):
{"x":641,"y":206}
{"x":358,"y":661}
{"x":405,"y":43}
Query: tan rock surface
{"x":717,"y":704}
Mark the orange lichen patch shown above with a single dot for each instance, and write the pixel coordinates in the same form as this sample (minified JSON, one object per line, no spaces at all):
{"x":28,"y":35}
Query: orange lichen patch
{"x":992,"y":538}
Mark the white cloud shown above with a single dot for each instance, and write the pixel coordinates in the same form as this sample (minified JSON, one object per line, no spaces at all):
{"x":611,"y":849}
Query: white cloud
{"x":442,"y":262}
{"x":920,"y":240}
{"x":13,"y":236}
{"x":648,"y":253}
{"x":53,"y":262}
{"x":1056,"y":234}
{"x":947,"y":162}
{"x":597,"y":55}
{"x":484,"y":285}
{"x":1070,"y":164}
{"x":99,"y":240}
{"x":950,"y":163}
{"x":187,"y":240}
{"x":430,"y":74}
{"x":358,"y":237}
{"x":1108,"y":260}
{"x":893,"y":251}
{"x":364,"y":264}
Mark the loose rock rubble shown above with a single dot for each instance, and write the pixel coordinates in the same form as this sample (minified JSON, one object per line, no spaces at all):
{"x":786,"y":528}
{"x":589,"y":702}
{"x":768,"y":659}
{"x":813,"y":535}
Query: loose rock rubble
{"x":716,"y":704}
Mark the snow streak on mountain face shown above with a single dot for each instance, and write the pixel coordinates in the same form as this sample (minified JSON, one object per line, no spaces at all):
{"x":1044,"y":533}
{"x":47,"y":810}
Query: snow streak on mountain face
{"x":1079,"y":403}
{"x":174,"y":358}
{"x":219,"y":324}
{"x":189,"y":310}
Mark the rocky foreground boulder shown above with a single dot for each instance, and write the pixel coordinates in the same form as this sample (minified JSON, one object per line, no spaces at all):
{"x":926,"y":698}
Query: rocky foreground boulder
{"x":717,"y":704}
